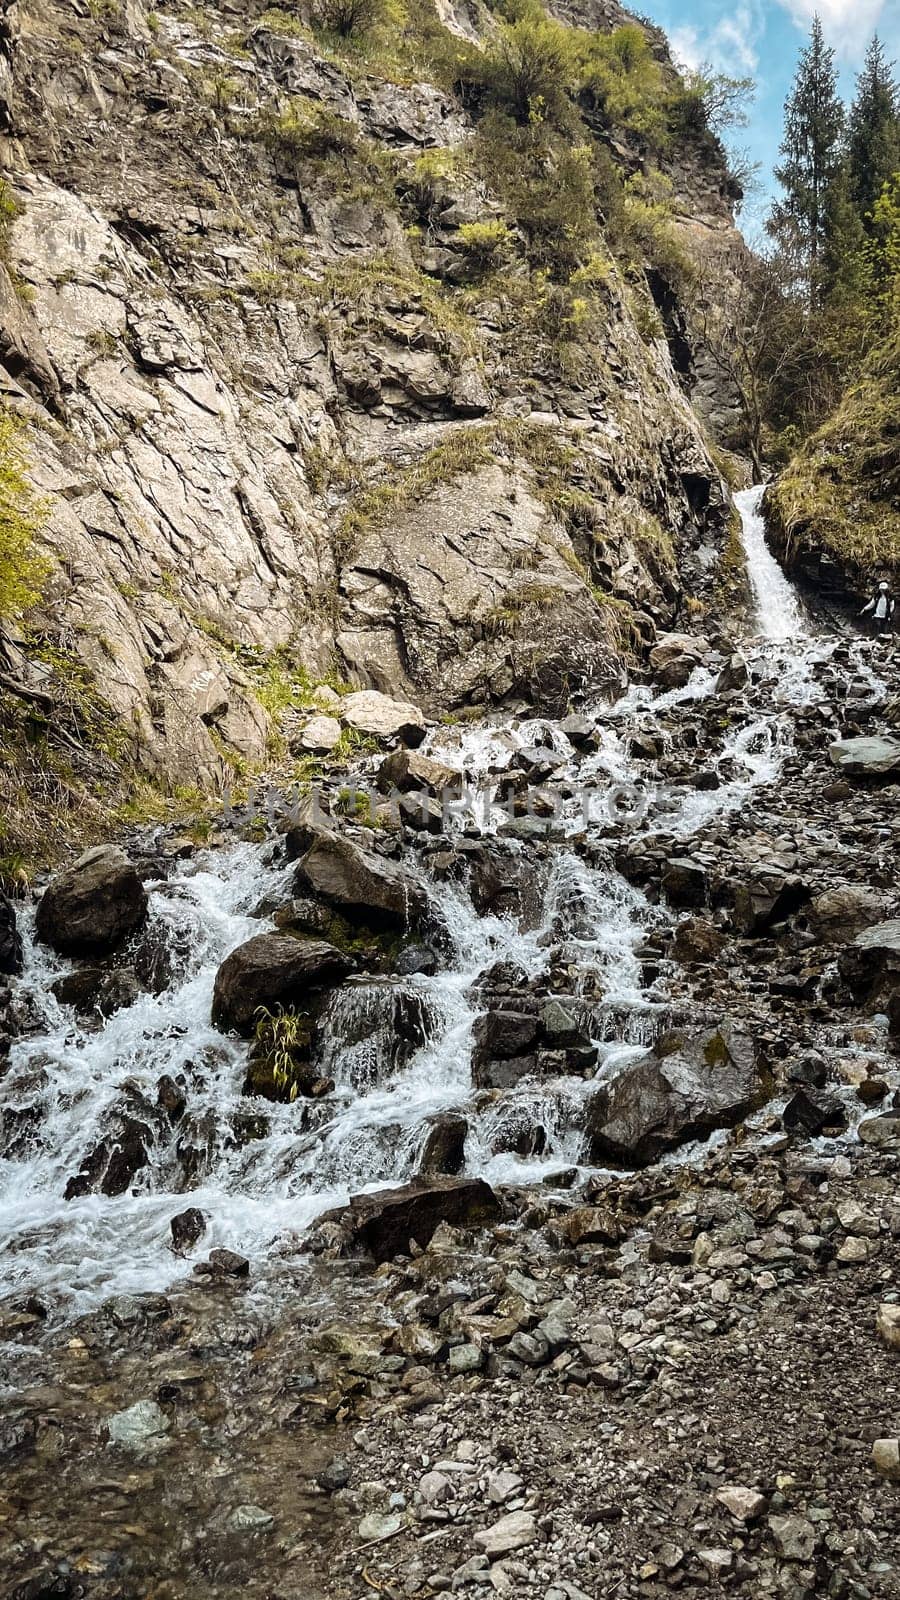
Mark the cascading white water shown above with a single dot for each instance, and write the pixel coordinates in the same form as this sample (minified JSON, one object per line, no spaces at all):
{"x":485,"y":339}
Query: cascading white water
{"x":261,"y":1172}
{"x":780,"y":614}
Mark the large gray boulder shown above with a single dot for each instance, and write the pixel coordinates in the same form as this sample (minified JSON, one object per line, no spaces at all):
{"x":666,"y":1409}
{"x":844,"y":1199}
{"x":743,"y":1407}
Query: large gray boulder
{"x":10,"y":941}
{"x":273,"y":970}
{"x":868,"y":756}
{"x":359,"y":882}
{"x":91,"y":908}
{"x":683,"y":1090}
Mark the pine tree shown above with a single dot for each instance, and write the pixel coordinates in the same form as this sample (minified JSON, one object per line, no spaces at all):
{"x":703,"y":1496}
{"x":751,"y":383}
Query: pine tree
{"x":874,"y":131}
{"x":811,"y":156}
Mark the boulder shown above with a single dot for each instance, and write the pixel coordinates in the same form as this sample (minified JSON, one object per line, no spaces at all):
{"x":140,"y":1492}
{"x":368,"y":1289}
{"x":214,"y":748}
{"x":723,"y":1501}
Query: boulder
{"x":810,"y":1111}
{"x":98,"y":989}
{"x":866,"y":757}
{"x":845,"y":911}
{"x":768,"y":896}
{"x":271,"y":970}
{"x":385,"y":1222}
{"x":682,"y":1090}
{"x":318,"y":736}
{"x":870,"y":966}
{"x":684,"y":883}
{"x":408,"y":770}
{"x":675,"y":656}
{"x":10,"y":940}
{"x":383,"y":718}
{"x":187,"y":1227}
{"x":359,"y":881}
{"x":444,"y":1150}
{"x":92,"y":907}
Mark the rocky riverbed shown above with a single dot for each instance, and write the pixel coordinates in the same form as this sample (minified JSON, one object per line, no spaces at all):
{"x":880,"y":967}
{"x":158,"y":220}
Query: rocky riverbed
{"x":613,"y":1310}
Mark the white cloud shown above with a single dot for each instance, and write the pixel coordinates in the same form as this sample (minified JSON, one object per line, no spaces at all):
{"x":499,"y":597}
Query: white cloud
{"x":848,"y":24}
{"x":731,"y":44}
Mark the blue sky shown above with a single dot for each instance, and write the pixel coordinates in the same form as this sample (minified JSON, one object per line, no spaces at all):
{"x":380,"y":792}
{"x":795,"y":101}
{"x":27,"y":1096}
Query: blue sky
{"x":761,"y":39}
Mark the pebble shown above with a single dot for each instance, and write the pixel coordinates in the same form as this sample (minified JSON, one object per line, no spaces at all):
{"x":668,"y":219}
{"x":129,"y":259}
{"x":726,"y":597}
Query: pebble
{"x":513,"y":1532}
{"x":249,"y":1519}
{"x":886,"y":1457}
{"x":141,"y":1428}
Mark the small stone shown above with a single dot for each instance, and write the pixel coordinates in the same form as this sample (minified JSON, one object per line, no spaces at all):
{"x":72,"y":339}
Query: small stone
{"x":717,"y":1561}
{"x":334,"y":1476}
{"x":853,"y":1252}
{"x":435,"y":1487}
{"x":513,"y":1532}
{"x":795,"y":1538}
{"x":319,"y":735}
{"x":187,"y":1227}
{"x":377,"y":1525}
{"x":249,"y":1519}
{"x":141,"y":1428}
{"x":886,"y":1457}
{"x":228,"y":1264}
{"x":887,"y":1324}
{"x":502,"y":1485}
{"x":465,"y":1358}
{"x":744,"y":1504}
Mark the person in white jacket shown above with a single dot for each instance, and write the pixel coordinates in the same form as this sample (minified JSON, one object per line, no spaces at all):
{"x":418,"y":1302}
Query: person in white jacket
{"x":881,"y":607}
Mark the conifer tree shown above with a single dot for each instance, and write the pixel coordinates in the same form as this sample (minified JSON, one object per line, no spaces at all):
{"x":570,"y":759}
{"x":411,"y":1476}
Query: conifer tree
{"x":811,"y":157}
{"x":874,"y":131}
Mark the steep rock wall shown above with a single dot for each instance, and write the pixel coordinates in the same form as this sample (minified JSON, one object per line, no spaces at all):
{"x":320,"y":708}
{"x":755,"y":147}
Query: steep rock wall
{"x":273,"y":420}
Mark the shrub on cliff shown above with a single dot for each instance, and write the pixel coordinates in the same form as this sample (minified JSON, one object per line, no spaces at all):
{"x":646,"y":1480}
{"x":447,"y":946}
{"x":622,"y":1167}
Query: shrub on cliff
{"x":531,"y":66}
{"x":21,"y":518}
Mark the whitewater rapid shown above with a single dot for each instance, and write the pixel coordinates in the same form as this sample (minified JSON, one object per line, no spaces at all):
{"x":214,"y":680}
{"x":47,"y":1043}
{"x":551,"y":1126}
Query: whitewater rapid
{"x":262,"y":1172}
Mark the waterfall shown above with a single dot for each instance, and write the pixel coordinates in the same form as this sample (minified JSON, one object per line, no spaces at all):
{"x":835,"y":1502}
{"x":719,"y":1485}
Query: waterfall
{"x":780,"y":615}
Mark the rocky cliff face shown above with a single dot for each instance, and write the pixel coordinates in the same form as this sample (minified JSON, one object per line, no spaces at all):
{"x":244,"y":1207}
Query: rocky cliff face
{"x":286,"y":422}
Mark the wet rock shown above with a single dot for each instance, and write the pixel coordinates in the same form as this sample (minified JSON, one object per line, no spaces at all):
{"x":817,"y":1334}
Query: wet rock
{"x":882,"y":1132}
{"x":684,"y":883}
{"x":224,"y":1264}
{"x":273,"y":970}
{"x":385,"y":1222}
{"x":500,"y":1036}
{"x":684,"y":1089}
{"x":675,"y":656}
{"x":249,"y":1519}
{"x":92,"y":908}
{"x":96,"y":989}
{"x":581,"y":732}
{"x":697,"y":942}
{"x":142,"y":1428}
{"x":359,"y":881}
{"x":10,"y":940}
{"x":416,"y":958}
{"x":444,"y":1150}
{"x":810,"y":1112}
{"x":846,"y":911}
{"x":870,"y":966}
{"x":590,"y":1225}
{"x":187,"y":1228}
{"x":383,"y":718}
{"x":866,"y":757}
{"x":114,"y":1162}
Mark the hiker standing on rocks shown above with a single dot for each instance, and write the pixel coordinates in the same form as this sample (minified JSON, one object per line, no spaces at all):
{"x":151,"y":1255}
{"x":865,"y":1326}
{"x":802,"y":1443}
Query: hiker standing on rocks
{"x":882,"y":606}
